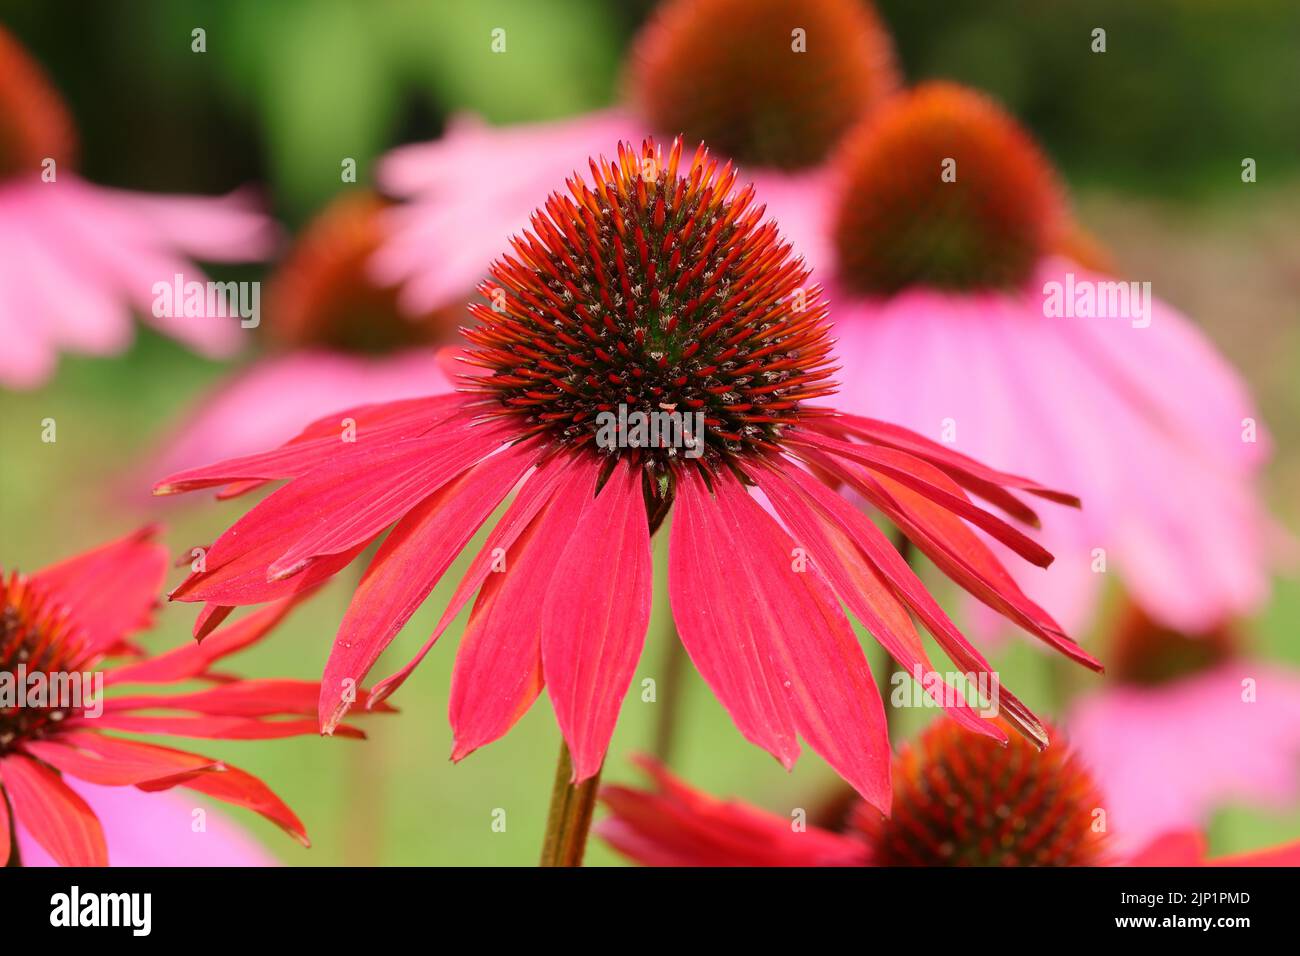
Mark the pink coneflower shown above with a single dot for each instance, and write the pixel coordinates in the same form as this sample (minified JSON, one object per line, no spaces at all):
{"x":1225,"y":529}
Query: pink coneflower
{"x":333,"y":332}
{"x":156,"y":829}
{"x":1188,"y":723}
{"x":948,"y":233}
{"x":768,"y":84}
{"x":76,"y":259}
{"x":959,"y":801}
{"x":656,"y":289}
{"x":77,"y":618}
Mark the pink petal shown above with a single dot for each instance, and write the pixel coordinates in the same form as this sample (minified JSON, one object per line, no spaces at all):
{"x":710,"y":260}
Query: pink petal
{"x":159,"y":829}
{"x":111,"y":590}
{"x":498,"y":671}
{"x":595,"y":615}
{"x":410,"y":562}
{"x":674,"y":825}
{"x":56,"y":817}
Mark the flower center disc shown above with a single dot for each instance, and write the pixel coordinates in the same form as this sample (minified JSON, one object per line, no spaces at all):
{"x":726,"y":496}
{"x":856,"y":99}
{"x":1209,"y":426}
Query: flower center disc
{"x":966,"y":800}
{"x":940,"y":187}
{"x":767,"y":82}
{"x":1145,"y":652}
{"x":322,"y":294}
{"x":652,"y":292}
{"x":36,"y":642}
{"x":34,"y":123}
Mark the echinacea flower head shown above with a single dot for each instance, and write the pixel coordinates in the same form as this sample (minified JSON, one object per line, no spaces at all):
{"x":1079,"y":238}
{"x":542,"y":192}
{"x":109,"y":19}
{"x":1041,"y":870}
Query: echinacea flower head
{"x":985,"y":220}
{"x":65,"y":651}
{"x":76,"y":259}
{"x":321,"y":294}
{"x":959,"y":800}
{"x":334,"y":331}
{"x":1188,"y":723}
{"x":963,"y":801}
{"x":34,"y":122}
{"x":969,"y":307}
{"x":654,"y":289}
{"x":771,"y":85}
{"x":764,"y":82}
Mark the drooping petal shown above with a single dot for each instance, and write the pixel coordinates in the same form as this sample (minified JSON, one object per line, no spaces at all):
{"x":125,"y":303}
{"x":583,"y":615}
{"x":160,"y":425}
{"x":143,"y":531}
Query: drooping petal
{"x":318,"y":443}
{"x":158,"y":829}
{"x":911,"y":591}
{"x":829,"y":527}
{"x":498,"y":672}
{"x":723,"y":633}
{"x":944,"y":538}
{"x":113,"y":761}
{"x":235,"y":786}
{"x":406,"y":568}
{"x":594,"y":617}
{"x":332,"y":512}
{"x":675,"y":825}
{"x":56,"y":817}
{"x":269,"y":402}
{"x":193,"y":660}
{"x":534,"y":495}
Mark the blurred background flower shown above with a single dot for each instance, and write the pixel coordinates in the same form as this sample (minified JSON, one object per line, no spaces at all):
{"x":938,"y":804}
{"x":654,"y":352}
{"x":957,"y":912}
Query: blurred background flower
{"x":1150,"y":135}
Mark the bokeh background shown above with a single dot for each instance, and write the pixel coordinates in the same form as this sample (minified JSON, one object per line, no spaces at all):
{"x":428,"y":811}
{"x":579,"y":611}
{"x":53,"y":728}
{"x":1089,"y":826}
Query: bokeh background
{"x":1150,"y":136}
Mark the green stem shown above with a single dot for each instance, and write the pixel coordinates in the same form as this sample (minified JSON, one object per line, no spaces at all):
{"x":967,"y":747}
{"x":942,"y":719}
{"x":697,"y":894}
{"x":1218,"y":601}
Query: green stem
{"x":672,"y":672}
{"x":570,"y":817}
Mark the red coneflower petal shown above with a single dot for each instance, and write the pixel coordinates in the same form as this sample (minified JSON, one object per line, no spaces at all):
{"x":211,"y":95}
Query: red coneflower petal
{"x":56,"y":817}
{"x":192,"y":660}
{"x":367,"y":499}
{"x":498,"y":672}
{"x":368,"y":487}
{"x":594,"y":619}
{"x":831,"y":527}
{"x":533,"y":495}
{"x":6,"y":841}
{"x":961,"y":468}
{"x":264,"y":697}
{"x":674,"y":825}
{"x":724,"y":634}
{"x":411,"y":561}
{"x":947,"y":541}
{"x":834,"y":699}
{"x":880,"y":552}
{"x":213,"y":728}
{"x":114,"y":587}
{"x":319,"y":443}
{"x":931,"y":483}
{"x":114,"y":762}
{"x":791,"y":618}
{"x":234,"y":786}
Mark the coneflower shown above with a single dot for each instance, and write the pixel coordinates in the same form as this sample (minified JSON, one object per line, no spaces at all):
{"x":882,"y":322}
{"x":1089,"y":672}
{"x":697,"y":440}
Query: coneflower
{"x":655,"y":290}
{"x":769,"y":84}
{"x":1166,"y":733}
{"x":969,"y":307}
{"x":65,"y":647}
{"x":76,"y":259}
{"x":959,"y":801}
{"x":332,"y":329}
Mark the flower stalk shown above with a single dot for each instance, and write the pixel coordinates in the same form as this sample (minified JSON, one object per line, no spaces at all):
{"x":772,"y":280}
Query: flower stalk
{"x":569,"y":820}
